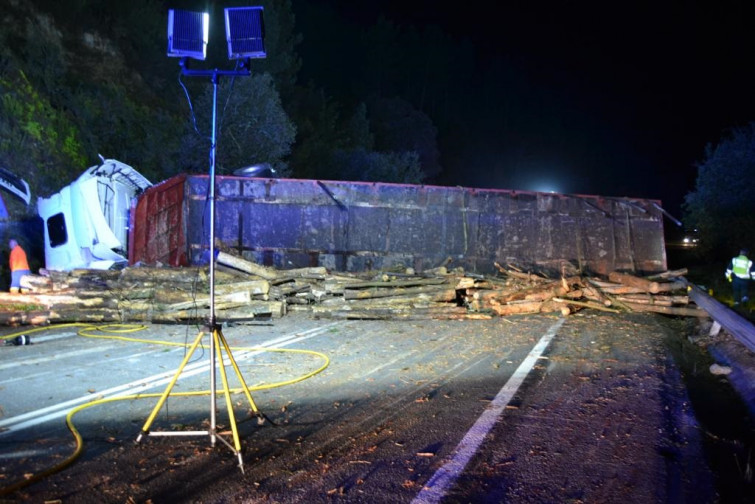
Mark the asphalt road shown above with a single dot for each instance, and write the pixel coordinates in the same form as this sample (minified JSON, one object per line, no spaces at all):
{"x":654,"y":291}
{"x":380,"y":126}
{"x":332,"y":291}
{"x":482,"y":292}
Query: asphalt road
{"x":522,"y":409}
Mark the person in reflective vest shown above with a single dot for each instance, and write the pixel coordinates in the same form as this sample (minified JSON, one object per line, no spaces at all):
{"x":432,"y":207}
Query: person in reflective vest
{"x":19,"y":266}
{"x":739,"y":273}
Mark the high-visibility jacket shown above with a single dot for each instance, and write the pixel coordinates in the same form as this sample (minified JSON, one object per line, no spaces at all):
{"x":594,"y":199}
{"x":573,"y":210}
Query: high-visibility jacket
{"x":17,"y":259}
{"x":741,"y":267}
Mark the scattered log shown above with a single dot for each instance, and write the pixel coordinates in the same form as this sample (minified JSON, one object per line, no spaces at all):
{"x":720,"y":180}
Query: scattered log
{"x":517,"y":308}
{"x":654,"y":300}
{"x":153,"y":275}
{"x":521,"y":275}
{"x":586,"y":304}
{"x":670,"y":310}
{"x":245,"y":291}
{"x":633,"y":281}
{"x":398,"y":283}
{"x":668,"y":274}
{"x":436,"y":293}
{"x":246,"y":266}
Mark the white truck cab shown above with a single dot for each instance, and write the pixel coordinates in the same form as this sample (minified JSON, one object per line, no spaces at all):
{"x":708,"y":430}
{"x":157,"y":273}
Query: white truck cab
{"x":86,"y":223}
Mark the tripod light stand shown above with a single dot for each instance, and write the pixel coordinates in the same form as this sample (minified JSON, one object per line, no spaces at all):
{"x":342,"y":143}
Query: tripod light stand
{"x":187,"y":38}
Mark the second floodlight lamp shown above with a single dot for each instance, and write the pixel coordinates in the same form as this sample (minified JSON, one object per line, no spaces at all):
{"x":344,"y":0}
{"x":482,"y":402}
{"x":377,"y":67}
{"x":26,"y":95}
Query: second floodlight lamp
{"x":245,"y":32}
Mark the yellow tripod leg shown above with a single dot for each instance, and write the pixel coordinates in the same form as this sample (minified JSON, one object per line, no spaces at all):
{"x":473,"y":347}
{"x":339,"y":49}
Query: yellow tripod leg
{"x":240,"y":376}
{"x":169,"y":388}
{"x":227,"y":392}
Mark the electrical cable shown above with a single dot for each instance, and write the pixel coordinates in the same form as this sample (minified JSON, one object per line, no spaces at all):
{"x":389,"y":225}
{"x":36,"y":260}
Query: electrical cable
{"x":191,"y":107}
{"x":111,"y":331}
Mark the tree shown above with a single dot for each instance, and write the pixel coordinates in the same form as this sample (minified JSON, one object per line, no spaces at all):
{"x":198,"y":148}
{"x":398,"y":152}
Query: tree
{"x":370,"y":166}
{"x":399,"y":127}
{"x":252,"y":127}
{"x":722,"y":205}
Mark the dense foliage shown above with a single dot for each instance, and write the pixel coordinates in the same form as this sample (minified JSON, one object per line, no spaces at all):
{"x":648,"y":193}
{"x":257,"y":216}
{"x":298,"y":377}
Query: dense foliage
{"x":80,"y":78}
{"x":722,"y":205}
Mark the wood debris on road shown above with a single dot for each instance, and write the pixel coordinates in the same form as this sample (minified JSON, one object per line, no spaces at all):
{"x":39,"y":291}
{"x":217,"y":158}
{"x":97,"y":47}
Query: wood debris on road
{"x":246,"y":291}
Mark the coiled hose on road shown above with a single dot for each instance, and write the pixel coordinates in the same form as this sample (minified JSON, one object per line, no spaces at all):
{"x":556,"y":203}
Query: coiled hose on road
{"x":115,"y":332}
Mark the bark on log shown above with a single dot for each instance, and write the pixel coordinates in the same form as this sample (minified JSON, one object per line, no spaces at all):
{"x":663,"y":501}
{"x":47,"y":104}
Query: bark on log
{"x":90,"y":315}
{"x":521,"y":275}
{"x":517,"y":308}
{"x":596,"y":294}
{"x":654,"y":299}
{"x":668,"y":274}
{"x":18,"y":318}
{"x":586,"y":304}
{"x":247,"y":266}
{"x":436,"y":293}
{"x":143,"y":274}
{"x":633,"y":281}
{"x":670,"y":310}
{"x":397,"y":283}
{"x":614,"y":288}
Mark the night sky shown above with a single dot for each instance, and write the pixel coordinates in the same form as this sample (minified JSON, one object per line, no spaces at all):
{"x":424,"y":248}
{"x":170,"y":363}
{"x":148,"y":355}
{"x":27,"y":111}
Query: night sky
{"x":618,"y":99}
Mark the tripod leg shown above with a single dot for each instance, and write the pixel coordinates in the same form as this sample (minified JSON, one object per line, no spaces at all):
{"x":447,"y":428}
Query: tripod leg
{"x":228,"y":400}
{"x":169,"y":388}
{"x":239,"y":375}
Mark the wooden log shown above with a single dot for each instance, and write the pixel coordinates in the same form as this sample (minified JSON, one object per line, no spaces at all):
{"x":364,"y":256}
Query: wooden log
{"x":614,"y":288}
{"x":596,"y":294}
{"x":19,"y":318}
{"x":316,"y":273}
{"x":437,"y":293}
{"x":36,"y":283}
{"x":90,"y":315}
{"x":671,"y":286}
{"x":484,"y":296}
{"x":654,"y":299}
{"x":397,"y":283}
{"x":254,"y":309}
{"x":392,"y":313}
{"x":253,"y":287}
{"x":247,"y":266}
{"x":633,"y":281}
{"x":541,"y":291}
{"x":151,"y":275}
{"x":669,"y":310}
{"x":517,"y":308}
{"x":231,"y":299}
{"x":586,"y":304}
{"x":521,"y":275}
{"x":60,"y":300}
{"x":668,"y":274}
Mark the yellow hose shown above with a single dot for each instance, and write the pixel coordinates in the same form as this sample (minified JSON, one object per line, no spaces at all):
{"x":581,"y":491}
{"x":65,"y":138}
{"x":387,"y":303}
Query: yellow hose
{"x":89,"y":332}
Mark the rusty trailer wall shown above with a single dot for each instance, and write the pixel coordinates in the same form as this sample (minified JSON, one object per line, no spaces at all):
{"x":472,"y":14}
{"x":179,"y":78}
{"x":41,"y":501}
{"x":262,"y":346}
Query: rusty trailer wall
{"x":355,"y":226}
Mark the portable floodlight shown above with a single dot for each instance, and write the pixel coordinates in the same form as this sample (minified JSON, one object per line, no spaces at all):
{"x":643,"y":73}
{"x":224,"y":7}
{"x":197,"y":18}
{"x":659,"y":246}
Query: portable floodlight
{"x":188,"y":33}
{"x":187,"y":38}
{"x":245,"y":32}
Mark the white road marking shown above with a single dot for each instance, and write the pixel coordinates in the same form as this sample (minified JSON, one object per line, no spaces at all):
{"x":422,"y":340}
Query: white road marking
{"x":37,"y":417}
{"x":445,"y":477}
{"x":41,"y":360}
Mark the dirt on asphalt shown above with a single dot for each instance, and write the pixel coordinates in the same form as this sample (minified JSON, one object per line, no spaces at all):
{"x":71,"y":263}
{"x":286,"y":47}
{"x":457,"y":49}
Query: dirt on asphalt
{"x":621,"y":408}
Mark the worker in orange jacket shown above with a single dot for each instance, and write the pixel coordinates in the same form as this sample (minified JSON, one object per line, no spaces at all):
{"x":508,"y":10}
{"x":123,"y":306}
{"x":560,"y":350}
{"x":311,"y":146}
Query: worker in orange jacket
{"x":19,"y":266}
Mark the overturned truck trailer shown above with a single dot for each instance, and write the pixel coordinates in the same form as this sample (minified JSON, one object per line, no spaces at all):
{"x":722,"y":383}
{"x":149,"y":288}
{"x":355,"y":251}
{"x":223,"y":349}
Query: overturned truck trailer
{"x":354,"y":226}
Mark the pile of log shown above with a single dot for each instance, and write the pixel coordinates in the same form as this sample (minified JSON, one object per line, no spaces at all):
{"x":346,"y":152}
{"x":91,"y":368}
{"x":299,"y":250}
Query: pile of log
{"x":245,"y":291}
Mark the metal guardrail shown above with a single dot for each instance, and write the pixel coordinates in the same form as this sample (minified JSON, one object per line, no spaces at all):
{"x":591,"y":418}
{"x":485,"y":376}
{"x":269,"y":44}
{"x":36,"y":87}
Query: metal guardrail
{"x":736,"y":325}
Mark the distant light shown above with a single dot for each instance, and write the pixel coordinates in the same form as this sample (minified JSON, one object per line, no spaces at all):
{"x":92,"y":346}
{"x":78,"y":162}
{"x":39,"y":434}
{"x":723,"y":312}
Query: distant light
{"x":188,"y":34}
{"x":245,"y":32}
{"x":546,"y":188}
